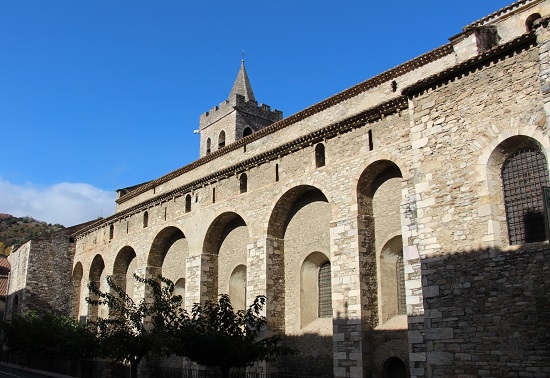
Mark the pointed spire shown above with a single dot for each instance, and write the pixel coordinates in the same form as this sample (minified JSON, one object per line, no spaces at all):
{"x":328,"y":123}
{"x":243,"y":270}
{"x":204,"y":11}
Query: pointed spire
{"x":242,"y":86}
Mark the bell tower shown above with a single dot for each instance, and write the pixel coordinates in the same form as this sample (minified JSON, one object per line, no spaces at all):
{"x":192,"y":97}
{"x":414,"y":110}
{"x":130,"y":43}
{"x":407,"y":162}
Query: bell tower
{"x":235,"y":118}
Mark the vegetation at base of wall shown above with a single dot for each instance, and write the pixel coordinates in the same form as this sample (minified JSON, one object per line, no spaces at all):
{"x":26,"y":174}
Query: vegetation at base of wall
{"x":136,"y":329}
{"x":212,"y":335}
{"x":15,"y":231}
{"x":49,"y":334}
{"x":217,"y":336}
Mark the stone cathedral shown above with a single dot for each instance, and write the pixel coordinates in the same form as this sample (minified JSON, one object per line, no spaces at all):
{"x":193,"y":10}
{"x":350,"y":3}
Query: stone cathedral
{"x":397,"y":228}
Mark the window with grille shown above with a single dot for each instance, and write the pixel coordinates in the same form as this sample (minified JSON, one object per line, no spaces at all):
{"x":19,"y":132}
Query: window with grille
{"x":325,"y":291}
{"x":401,"y":297}
{"x":523,"y":174}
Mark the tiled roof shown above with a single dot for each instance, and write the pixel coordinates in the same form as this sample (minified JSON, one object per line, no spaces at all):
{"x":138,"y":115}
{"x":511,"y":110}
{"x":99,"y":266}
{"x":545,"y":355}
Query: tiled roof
{"x":3,"y":285}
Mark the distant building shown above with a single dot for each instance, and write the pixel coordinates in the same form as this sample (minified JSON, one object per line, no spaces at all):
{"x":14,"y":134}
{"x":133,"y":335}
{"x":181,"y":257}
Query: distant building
{"x":397,"y":227}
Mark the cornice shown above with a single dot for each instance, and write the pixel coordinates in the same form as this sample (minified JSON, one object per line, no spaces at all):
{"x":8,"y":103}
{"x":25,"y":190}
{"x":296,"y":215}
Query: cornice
{"x":467,"y":65}
{"x":351,"y":92}
{"x":330,"y":131}
{"x":498,"y":13}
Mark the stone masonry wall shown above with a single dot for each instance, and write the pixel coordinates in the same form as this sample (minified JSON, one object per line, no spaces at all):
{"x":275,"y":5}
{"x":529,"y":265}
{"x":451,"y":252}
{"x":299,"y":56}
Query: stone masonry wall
{"x":487,"y":313}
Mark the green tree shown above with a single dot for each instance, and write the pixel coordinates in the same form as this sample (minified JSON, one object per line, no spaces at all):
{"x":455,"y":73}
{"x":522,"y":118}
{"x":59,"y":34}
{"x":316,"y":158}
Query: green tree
{"x":216,"y":335}
{"x":134,"y":330}
{"x":49,"y":335}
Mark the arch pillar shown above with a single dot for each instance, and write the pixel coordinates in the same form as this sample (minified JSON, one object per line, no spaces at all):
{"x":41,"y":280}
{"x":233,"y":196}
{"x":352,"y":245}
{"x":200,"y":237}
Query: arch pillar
{"x":351,"y":312}
{"x":265,"y":276}
{"x":201,"y":279}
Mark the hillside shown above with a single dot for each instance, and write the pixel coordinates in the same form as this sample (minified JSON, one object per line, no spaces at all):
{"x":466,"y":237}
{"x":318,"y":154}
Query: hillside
{"x":15,"y":231}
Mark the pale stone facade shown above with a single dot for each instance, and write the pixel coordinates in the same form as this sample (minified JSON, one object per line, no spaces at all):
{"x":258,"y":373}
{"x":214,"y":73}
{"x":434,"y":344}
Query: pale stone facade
{"x":394,"y":187}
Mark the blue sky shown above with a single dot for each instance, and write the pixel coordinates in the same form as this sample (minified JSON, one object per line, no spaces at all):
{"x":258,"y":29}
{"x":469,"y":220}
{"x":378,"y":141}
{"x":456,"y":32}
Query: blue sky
{"x":100,"y":95}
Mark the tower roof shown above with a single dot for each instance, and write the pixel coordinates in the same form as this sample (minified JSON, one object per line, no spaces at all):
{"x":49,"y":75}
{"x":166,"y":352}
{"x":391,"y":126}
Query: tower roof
{"x":242,"y":86}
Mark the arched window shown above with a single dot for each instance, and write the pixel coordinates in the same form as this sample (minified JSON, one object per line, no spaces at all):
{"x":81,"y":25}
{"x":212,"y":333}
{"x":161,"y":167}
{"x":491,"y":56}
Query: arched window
{"x":325,"y":291}
{"x":276,"y":172}
{"x":247,"y":131}
{"x":530,"y":21}
{"x":221,"y":140}
{"x":111,"y":231}
{"x":243,"y":183}
{"x":523,"y":174}
{"x":179,"y":289}
{"x":208,"y":146}
{"x":145,"y":219}
{"x":237,"y":288}
{"x":320,"y":155}
{"x":315,"y":289}
{"x":188,"y":203}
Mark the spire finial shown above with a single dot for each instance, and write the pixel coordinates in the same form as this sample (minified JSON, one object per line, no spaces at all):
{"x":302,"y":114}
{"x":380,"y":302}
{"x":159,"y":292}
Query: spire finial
{"x":242,"y":59}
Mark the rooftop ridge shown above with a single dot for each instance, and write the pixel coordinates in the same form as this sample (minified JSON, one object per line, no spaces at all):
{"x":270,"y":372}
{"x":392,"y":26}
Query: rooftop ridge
{"x":346,"y":94}
{"x":495,"y":51}
{"x":497,"y":13}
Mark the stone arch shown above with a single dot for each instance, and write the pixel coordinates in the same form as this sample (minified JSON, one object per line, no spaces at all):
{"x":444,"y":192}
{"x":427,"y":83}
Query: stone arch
{"x":278,"y":217}
{"x":168,"y":254}
{"x":77,"y":275}
{"x":299,"y":225}
{"x":123,"y":270}
{"x":490,"y":164}
{"x":394,"y":367}
{"x":379,"y":198}
{"x":97,"y":275}
{"x":312,"y":288}
{"x":225,"y":246}
{"x":247,"y":131}
{"x":237,"y":287}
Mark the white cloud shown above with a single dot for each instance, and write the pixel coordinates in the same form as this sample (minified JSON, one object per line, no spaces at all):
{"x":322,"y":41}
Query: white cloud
{"x":64,"y":203}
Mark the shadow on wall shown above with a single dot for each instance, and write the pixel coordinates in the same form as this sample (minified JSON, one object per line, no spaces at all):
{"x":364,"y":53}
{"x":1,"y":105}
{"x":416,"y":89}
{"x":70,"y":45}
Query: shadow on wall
{"x":23,"y":300}
{"x":487,"y":311}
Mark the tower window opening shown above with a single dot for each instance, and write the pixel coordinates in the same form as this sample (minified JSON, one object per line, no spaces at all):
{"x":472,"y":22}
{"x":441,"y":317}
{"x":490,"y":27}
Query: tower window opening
{"x":221,"y":140}
{"x":208,"y":146}
{"x":247,"y":131}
